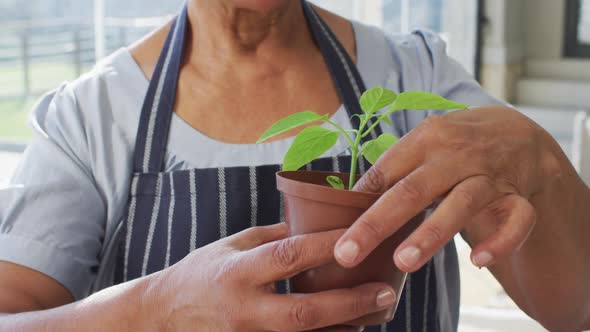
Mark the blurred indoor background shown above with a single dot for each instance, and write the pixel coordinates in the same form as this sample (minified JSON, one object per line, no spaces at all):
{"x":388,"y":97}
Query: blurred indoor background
{"x":533,"y":53}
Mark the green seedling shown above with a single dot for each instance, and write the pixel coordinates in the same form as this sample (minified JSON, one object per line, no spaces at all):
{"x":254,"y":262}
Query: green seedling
{"x":377,"y":105}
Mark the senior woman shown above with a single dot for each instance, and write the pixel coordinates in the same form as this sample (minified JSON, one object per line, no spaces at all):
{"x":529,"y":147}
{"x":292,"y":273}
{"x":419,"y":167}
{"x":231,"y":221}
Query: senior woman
{"x":143,"y":184}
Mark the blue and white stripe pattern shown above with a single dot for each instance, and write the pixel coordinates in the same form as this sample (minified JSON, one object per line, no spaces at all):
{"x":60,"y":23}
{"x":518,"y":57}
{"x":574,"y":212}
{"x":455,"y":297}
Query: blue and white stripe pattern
{"x":171,"y":214}
{"x":170,"y":221}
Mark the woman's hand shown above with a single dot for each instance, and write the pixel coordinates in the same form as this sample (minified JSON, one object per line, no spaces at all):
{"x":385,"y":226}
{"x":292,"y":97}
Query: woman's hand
{"x":225,"y":286}
{"x":505,"y":184}
{"x":229,"y":286}
{"x":485,"y":162}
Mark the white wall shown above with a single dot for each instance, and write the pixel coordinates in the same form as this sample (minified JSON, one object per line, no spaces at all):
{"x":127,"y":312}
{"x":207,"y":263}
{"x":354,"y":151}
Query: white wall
{"x":544,"y":23}
{"x":544,"y":31}
{"x":503,"y":47}
{"x":550,"y":79}
{"x":522,"y":55}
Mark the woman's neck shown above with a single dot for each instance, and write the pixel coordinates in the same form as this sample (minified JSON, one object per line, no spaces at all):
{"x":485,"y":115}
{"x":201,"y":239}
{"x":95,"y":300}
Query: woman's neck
{"x":263,"y":44}
{"x":223,"y":31}
{"x":222,"y":25}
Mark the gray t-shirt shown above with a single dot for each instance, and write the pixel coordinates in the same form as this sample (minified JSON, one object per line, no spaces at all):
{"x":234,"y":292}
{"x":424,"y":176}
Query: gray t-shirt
{"x":60,"y":211}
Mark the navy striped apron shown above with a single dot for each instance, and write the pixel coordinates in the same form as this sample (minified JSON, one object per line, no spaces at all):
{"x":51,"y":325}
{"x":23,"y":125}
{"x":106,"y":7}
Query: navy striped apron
{"x":169,"y":214}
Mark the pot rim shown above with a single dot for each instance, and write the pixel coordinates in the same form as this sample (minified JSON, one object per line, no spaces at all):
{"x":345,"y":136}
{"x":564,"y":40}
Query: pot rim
{"x":325,"y":194}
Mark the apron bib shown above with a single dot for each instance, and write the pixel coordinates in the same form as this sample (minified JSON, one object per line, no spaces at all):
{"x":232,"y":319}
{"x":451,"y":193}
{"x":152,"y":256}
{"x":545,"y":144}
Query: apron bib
{"x":170,"y":214}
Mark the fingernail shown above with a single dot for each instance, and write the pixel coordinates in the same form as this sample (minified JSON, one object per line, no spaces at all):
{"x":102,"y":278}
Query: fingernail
{"x":348,"y":251}
{"x":482,"y":259}
{"x":409,"y":256}
{"x":385,"y":298}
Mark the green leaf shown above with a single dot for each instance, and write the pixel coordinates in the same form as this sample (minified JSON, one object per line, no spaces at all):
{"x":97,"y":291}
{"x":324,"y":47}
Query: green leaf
{"x":311,"y":143}
{"x":375,"y":99}
{"x":335,"y":182}
{"x":416,"y":100}
{"x":386,"y":119}
{"x":291,"y":122}
{"x":372,"y":150}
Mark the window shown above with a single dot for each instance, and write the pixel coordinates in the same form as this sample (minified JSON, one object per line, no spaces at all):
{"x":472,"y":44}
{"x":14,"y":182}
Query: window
{"x":406,"y":15}
{"x":577,"y":29}
{"x":43,"y":43}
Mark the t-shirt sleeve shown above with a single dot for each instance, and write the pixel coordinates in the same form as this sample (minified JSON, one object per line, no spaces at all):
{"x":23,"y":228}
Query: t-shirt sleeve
{"x":421,"y":63}
{"x":447,"y":77}
{"x":52,"y":217}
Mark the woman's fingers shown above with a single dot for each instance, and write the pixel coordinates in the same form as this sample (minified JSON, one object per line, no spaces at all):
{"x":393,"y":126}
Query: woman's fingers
{"x":390,"y":168}
{"x":285,"y":258}
{"x":406,"y":155}
{"x":406,"y":199}
{"x":256,"y":236}
{"x":516,"y":218}
{"x":303,"y":312}
{"x":460,"y":206}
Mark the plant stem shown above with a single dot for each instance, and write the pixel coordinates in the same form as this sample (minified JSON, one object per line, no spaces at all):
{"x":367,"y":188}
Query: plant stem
{"x":354,"y":155}
{"x":370,"y":129}
{"x":353,"y":149}
{"x":341,"y":130}
{"x":380,"y":118}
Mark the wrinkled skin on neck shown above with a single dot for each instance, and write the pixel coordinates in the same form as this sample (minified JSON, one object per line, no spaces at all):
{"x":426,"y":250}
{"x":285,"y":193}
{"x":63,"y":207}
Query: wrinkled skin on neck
{"x":246,"y":25}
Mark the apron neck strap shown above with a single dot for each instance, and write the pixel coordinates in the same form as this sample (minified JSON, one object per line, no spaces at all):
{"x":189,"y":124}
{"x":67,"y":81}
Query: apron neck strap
{"x":345,"y":75}
{"x":158,"y":106}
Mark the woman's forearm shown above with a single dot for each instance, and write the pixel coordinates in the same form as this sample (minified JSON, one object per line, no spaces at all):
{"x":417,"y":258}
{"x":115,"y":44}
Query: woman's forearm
{"x":549,"y":276}
{"x":125,"y":307}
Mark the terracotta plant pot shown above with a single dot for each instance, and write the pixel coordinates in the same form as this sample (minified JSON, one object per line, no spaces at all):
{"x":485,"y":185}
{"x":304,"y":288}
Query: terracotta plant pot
{"x":312,"y":205}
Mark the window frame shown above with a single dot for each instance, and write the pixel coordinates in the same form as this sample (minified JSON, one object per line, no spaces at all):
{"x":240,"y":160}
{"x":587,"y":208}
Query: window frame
{"x":573,"y":48}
